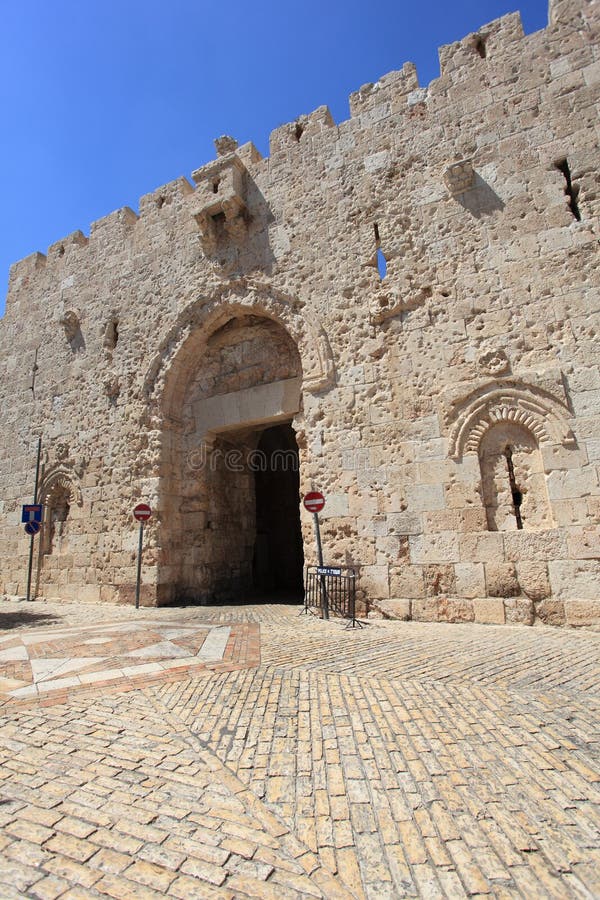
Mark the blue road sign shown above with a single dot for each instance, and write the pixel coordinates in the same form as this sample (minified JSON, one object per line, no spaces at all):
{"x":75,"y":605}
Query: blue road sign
{"x":32,"y":528}
{"x":32,"y":512}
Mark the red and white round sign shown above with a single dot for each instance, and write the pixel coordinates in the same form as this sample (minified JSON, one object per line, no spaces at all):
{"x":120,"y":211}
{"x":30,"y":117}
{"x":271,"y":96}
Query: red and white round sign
{"x":142,"y":512}
{"x":314,"y":501}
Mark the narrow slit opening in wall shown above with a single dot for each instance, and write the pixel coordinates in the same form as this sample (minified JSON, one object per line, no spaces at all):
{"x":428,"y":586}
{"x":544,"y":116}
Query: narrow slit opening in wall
{"x":517,"y":494}
{"x":298,"y":131}
{"x":480,"y":47}
{"x":571,"y":190}
{"x":380,"y":255}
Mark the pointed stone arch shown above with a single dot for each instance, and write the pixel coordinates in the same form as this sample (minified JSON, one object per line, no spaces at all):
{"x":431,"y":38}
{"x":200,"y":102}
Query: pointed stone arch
{"x":200,"y":407}
{"x":203,"y":317}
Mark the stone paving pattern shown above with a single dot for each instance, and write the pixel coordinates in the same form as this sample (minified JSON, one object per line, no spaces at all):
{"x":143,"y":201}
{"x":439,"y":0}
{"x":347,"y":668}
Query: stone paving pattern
{"x":35,"y":665}
{"x":400,"y":760}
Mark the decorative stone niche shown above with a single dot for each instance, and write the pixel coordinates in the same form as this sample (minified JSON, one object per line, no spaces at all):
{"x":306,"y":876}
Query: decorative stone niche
{"x":513,"y":480}
{"x":219,"y":205}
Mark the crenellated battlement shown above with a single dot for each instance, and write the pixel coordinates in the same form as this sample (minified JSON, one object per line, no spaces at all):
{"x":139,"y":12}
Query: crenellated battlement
{"x":485,"y":46}
{"x":469,"y":68}
{"x":395,"y":88}
{"x":301,"y":130}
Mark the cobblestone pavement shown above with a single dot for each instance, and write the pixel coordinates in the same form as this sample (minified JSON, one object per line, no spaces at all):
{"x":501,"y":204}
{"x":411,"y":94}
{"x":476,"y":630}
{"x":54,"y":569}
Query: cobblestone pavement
{"x":400,"y":760}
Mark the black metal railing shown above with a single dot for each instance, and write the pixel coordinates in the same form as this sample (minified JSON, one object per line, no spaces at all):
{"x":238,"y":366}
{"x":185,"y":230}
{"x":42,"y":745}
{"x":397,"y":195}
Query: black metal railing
{"x":332,"y":590}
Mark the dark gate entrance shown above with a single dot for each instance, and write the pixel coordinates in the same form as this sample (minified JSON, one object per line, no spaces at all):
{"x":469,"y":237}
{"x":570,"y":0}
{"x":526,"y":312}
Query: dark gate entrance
{"x":278,"y":554}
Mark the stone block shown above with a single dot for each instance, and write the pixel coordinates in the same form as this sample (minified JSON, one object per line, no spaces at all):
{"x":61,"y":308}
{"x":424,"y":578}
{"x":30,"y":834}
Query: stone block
{"x":441,"y":520}
{"x":571,"y":484}
{"x":407,"y":581}
{"x":472,"y":520}
{"x":489,"y":611}
{"x":335,"y":505}
{"x":425,"y":610}
{"x":404,"y":523}
{"x":582,"y":612}
{"x":533,"y":579}
{"x":374,"y":582}
{"x":470,"y":580}
{"x":482,"y":547}
{"x":423,"y":497}
{"x":439,"y":580}
{"x":574,"y":579}
{"x":550,"y":612}
{"x":439,"y":547}
{"x":519,"y":611}
{"x":585,"y":543}
{"x":501,"y":580}
{"x":455,"y":609}
{"x":395,"y":609}
{"x":535,"y":545}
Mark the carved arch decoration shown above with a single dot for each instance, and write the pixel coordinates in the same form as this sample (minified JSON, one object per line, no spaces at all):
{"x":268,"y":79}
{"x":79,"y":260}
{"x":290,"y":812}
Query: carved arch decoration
{"x":198,"y":321}
{"x":519,"y":404}
{"x":60,"y":491}
{"x":61,"y":478}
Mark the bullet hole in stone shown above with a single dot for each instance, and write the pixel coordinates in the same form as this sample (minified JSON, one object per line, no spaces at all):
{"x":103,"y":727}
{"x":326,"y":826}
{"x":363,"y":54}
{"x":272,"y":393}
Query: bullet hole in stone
{"x":480,"y":47}
{"x":571,"y":190}
{"x":298,"y":131}
{"x":111,"y":334}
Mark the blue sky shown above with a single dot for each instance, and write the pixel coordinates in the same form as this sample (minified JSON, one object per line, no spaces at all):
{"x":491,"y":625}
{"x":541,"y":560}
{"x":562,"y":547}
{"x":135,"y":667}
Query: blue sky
{"x":104,"y":100}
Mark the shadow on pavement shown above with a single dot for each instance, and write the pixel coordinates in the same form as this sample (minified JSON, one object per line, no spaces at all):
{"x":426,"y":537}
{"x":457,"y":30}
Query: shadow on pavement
{"x":24,"y":619}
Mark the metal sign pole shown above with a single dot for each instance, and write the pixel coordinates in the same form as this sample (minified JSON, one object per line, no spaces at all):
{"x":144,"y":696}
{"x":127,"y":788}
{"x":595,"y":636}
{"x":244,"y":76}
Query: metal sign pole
{"x":139,"y":567}
{"x":35,"y":499}
{"x":320,"y":558}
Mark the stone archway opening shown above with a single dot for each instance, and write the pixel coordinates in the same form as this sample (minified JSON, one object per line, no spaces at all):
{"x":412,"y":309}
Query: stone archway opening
{"x":230,"y":518}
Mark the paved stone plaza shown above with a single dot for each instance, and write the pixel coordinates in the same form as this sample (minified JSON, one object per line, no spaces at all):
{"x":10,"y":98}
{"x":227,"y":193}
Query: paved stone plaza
{"x":244,"y":751}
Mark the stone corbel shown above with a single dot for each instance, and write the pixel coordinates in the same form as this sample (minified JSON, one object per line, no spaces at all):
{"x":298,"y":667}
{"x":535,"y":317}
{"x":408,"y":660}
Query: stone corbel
{"x":459,"y":177}
{"x":219,"y":201}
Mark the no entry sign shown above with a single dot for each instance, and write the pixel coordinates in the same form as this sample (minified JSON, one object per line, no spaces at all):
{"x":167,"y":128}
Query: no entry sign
{"x":142,"y":512}
{"x":314,"y":501}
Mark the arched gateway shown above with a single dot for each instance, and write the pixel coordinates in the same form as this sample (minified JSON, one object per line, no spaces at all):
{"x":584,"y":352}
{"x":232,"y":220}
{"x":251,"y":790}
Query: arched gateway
{"x":227,"y":397}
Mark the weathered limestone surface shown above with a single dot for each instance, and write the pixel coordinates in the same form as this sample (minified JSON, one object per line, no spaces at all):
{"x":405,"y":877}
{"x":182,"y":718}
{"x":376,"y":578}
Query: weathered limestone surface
{"x":450,"y":412}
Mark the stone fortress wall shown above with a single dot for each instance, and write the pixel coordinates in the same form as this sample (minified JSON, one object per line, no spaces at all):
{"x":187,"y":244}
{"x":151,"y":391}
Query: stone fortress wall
{"x":450,"y":412}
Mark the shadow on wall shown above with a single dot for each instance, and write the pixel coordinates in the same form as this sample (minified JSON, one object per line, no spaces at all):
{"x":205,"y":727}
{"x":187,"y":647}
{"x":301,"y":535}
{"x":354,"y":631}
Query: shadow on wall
{"x":481,"y":199}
